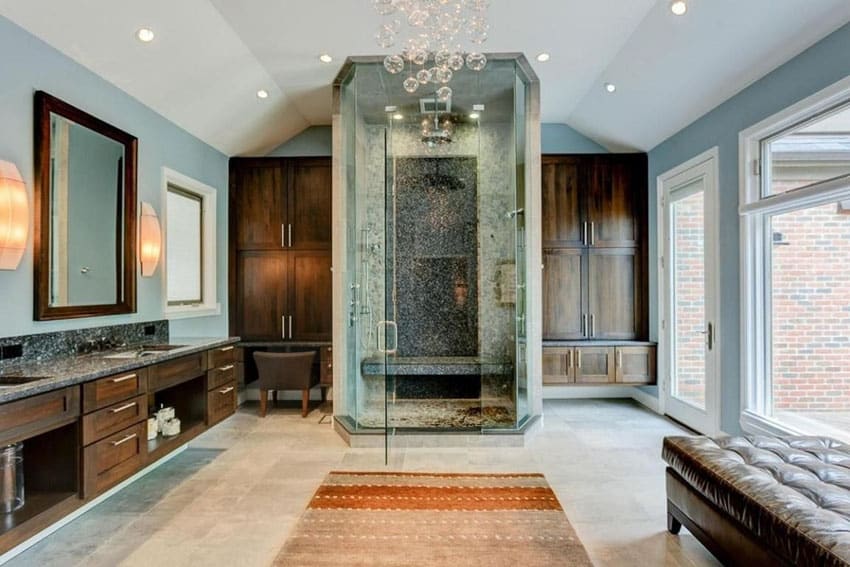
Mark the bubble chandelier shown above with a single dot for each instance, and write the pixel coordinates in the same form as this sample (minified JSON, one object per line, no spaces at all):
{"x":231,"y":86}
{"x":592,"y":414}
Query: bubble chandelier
{"x":432,"y":35}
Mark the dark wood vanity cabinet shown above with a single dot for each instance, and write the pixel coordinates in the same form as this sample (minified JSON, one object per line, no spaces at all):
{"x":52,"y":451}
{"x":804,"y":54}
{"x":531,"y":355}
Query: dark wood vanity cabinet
{"x":595,"y":268}
{"x":280,"y":259}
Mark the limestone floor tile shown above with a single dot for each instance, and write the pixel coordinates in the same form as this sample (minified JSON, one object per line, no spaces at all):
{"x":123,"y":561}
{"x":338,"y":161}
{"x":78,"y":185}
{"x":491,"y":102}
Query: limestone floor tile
{"x":233,"y":497}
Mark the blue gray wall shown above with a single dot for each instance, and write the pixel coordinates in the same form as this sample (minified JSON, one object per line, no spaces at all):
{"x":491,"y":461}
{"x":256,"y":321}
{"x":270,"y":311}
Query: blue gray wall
{"x":820,"y":66}
{"x":28,"y":65}
{"x":555,"y":138}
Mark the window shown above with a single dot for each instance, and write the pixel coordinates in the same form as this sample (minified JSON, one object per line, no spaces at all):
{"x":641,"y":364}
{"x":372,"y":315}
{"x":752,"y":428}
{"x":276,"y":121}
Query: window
{"x":190,"y":252}
{"x":796,"y":269}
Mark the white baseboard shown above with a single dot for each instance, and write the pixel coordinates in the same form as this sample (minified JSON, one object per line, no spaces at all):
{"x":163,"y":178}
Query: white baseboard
{"x":584,"y":392}
{"x":647,"y":400}
{"x":21,"y":547}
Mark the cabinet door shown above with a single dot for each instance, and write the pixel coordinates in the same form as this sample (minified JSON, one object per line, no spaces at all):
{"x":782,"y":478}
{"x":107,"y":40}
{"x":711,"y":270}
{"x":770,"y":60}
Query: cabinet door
{"x":613,"y":293}
{"x":636,"y":365}
{"x":309,"y":204}
{"x":259,"y":204}
{"x":311,"y":296}
{"x":558,"y":366}
{"x":261,"y":294}
{"x":563,"y":215}
{"x":613,"y":211}
{"x":594,"y":365}
{"x":564,"y":297}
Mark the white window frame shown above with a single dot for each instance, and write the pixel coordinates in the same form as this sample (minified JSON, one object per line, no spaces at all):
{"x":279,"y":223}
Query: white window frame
{"x":753,"y":209}
{"x":210,"y":305}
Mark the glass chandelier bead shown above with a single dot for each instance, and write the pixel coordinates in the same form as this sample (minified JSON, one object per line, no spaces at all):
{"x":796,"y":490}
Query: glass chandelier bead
{"x":476,"y":61}
{"x":411,"y":85}
{"x":417,"y":18}
{"x":456,"y":62}
{"x":423,"y":76}
{"x":444,"y":94}
{"x":394,"y":64}
{"x":385,"y":37}
{"x":444,"y":75}
{"x":384,"y":7}
{"x":441,"y":58}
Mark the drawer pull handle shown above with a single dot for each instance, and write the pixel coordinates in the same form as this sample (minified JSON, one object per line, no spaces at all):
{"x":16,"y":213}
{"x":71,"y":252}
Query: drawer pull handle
{"x":226,"y":390}
{"x":125,"y":407}
{"x":124,"y":440}
{"x":124,"y":378}
{"x":225,"y":349}
{"x":226,"y":368}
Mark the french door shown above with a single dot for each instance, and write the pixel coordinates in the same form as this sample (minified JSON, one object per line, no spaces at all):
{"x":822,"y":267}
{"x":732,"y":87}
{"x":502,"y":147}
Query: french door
{"x":689,"y":294}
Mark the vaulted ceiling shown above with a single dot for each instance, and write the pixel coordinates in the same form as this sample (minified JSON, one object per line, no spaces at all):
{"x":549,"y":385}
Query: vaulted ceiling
{"x":210,"y":57}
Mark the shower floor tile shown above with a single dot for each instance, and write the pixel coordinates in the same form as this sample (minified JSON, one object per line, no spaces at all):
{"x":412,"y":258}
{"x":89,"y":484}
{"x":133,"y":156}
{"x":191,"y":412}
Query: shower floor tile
{"x":442,"y":414}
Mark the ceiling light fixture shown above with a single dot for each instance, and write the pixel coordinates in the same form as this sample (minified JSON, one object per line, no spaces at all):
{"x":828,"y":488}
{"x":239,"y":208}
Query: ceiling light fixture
{"x":145,"y":35}
{"x":325,"y":58}
{"x":262,"y":93}
{"x":610,"y":87}
{"x":430,"y":47}
{"x":475,"y":116}
{"x":398,"y":116}
{"x":679,"y":7}
{"x":543,"y":57}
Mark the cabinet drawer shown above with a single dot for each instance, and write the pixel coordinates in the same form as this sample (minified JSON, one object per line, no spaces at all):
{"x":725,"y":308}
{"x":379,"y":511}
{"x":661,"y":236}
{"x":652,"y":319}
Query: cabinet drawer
{"x":35,"y":415}
{"x":326,"y":354}
{"x":221,"y":403}
{"x":594,"y":365}
{"x":110,"y":420}
{"x":108,"y":462}
{"x":558,"y":366}
{"x":221,"y":356}
{"x":113,"y":389}
{"x":326,"y":373}
{"x":176,"y":371}
{"x":221,"y":375}
{"x":636,"y":365}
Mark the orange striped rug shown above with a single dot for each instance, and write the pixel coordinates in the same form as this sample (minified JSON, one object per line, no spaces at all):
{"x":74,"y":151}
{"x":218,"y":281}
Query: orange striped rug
{"x":422,"y":519}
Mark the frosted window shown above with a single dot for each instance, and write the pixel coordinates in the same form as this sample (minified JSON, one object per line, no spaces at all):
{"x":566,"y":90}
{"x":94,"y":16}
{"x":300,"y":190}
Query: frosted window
{"x":184,"y":250}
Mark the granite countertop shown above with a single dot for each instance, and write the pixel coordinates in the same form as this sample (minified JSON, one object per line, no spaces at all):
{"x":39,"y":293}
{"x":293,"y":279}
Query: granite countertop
{"x":597,"y":343}
{"x":72,"y":370}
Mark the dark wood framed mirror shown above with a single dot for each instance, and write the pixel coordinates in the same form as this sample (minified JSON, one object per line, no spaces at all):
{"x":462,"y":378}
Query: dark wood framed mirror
{"x":85,"y":214}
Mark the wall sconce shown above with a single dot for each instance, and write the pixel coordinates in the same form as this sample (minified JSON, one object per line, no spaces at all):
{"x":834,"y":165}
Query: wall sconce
{"x":14,"y":216}
{"x":150,"y":240}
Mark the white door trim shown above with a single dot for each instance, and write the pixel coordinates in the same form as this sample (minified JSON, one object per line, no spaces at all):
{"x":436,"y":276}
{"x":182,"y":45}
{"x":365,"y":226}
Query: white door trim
{"x":705,"y":165}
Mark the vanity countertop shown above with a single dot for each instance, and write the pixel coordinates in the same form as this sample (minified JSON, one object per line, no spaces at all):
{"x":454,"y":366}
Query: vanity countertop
{"x":72,"y":370}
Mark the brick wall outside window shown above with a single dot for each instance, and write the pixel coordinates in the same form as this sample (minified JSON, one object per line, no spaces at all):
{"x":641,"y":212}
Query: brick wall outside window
{"x":811,"y":310}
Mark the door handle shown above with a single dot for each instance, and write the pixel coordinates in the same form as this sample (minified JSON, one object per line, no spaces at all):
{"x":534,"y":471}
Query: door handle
{"x":125,"y":407}
{"x":289,"y":234}
{"x":123,"y":378}
{"x":124,"y":440}
{"x":283,"y":327}
{"x":710,"y":337}
{"x":578,"y":363}
{"x":290,"y":327}
{"x":619,"y":358}
{"x":584,"y":324}
{"x":282,"y":236}
{"x":593,"y":234}
{"x":584,"y":234}
{"x":385,"y":347}
{"x":570,"y":359}
{"x":592,"y":325}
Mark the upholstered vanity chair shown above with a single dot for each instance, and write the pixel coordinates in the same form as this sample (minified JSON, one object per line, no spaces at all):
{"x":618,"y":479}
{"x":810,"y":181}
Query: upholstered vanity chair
{"x":285,"y":371}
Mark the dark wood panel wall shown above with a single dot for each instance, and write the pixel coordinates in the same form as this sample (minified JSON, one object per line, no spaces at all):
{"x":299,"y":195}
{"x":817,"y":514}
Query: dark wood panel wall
{"x":280,"y":260}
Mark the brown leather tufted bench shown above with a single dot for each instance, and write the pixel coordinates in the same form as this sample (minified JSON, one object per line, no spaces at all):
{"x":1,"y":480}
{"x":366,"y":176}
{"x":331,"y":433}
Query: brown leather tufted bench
{"x":762,"y":500}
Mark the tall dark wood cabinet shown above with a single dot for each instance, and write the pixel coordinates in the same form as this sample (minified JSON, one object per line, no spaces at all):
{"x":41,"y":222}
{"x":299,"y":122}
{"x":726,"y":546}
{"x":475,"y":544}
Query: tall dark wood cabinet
{"x":595,"y":289}
{"x":280,"y":259}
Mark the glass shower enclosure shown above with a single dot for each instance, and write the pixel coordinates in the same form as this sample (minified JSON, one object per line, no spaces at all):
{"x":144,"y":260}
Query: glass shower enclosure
{"x":434,"y":275}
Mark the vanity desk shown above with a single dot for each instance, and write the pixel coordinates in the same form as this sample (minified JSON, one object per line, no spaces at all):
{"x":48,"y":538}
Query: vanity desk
{"x":83,"y":420}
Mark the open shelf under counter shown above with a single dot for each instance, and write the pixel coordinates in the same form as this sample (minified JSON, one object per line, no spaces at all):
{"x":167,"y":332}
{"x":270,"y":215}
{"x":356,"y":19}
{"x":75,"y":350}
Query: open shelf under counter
{"x":161,"y":446}
{"x":40,"y":508}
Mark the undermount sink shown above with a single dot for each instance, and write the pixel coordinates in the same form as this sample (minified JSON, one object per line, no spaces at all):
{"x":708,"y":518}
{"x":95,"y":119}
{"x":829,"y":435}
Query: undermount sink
{"x":16,"y":380}
{"x":142,"y":351}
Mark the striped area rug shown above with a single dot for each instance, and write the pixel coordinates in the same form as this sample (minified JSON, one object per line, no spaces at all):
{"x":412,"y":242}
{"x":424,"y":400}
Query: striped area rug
{"x":407,"y":519}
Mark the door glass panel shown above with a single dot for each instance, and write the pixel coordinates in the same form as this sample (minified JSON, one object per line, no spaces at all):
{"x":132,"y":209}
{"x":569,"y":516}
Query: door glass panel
{"x":689,"y":289}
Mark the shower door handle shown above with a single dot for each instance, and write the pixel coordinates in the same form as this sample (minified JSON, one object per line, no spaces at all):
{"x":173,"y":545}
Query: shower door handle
{"x":384,"y":348}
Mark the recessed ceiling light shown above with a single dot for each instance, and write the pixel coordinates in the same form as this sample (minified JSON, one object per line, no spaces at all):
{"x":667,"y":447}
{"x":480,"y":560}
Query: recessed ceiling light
{"x":543,"y":57}
{"x":145,"y":35}
{"x":610,"y":87}
{"x":262,"y":93}
{"x":475,"y":116}
{"x":325,"y":58}
{"x":679,"y":7}
{"x":398,"y":116}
